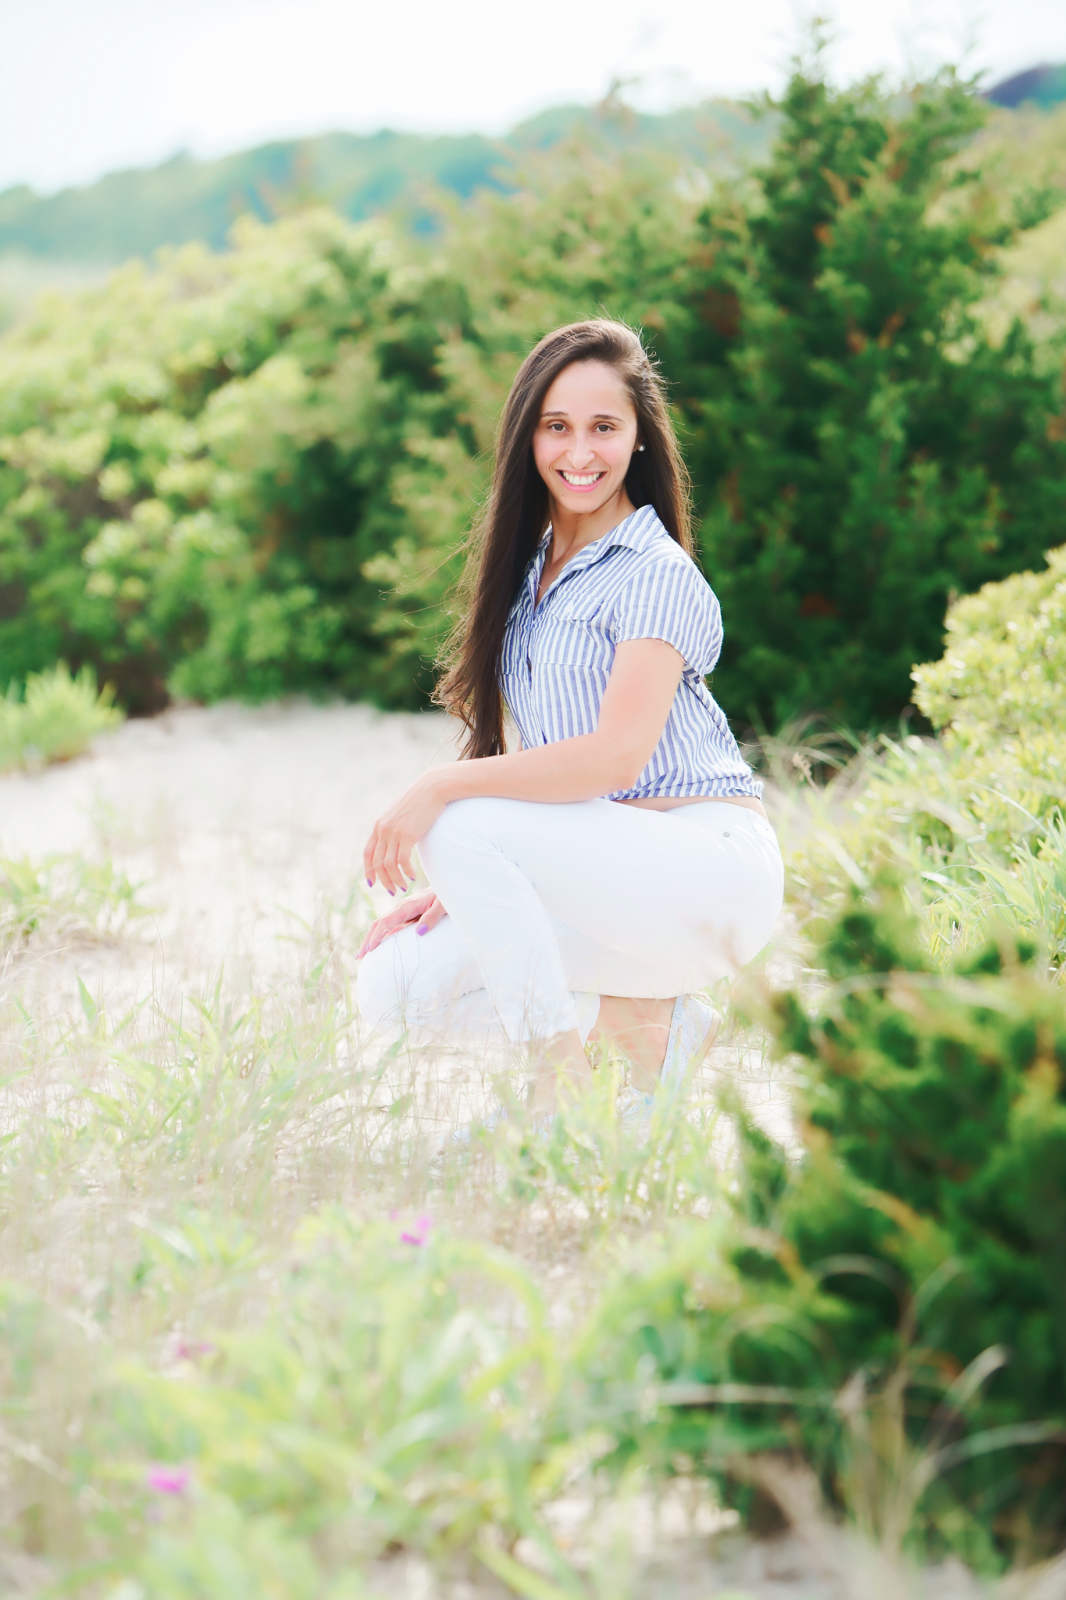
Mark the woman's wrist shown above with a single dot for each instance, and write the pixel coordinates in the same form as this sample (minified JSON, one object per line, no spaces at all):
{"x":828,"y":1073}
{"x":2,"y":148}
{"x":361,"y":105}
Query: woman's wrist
{"x":440,"y":784}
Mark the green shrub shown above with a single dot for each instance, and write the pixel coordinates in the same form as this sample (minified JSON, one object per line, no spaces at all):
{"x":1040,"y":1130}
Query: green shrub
{"x":53,"y":717}
{"x":898,"y":1294}
{"x":974,"y":822}
{"x":215,"y":469}
{"x":1000,"y":685}
{"x":975,"y":837}
{"x":862,"y":445}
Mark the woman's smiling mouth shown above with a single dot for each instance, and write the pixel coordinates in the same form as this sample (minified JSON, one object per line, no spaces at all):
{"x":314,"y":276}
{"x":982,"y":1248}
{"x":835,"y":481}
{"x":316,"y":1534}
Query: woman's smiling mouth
{"x":580,"y":480}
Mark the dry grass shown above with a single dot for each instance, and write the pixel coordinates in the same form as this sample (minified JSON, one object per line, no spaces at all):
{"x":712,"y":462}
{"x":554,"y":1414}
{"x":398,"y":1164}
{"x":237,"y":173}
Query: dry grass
{"x":206,"y":1176}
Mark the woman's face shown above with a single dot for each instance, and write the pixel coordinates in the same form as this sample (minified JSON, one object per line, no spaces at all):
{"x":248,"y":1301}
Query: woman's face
{"x":585,"y":436}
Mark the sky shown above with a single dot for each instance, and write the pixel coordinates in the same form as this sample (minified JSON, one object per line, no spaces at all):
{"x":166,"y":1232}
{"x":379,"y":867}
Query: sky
{"x":88,"y":86}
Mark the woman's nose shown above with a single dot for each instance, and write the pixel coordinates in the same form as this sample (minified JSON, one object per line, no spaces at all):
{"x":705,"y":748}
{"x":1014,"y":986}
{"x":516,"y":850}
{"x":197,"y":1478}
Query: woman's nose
{"x":581,"y":452}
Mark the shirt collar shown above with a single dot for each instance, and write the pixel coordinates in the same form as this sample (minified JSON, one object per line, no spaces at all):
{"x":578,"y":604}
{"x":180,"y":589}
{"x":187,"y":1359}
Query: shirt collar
{"x":638,"y":531}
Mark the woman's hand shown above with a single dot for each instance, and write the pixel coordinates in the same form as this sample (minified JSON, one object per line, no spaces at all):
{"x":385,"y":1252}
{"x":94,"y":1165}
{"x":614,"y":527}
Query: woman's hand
{"x":425,"y":909}
{"x":388,"y":850}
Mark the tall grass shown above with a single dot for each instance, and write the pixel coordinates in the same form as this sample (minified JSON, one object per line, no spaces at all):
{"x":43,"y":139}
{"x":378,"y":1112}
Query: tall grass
{"x":265,"y":1330}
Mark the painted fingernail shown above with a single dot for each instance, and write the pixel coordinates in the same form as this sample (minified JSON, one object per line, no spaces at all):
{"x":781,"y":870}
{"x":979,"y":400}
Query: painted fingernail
{"x":421,"y":929}
{"x":370,"y":883}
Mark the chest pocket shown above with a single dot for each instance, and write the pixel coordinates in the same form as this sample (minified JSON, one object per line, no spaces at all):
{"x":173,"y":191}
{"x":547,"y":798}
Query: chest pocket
{"x":576,"y":635}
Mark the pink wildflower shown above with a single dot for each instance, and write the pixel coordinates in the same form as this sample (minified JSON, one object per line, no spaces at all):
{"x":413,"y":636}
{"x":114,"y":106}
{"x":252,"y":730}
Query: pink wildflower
{"x":418,"y":1233}
{"x":192,"y":1349}
{"x":168,"y":1480}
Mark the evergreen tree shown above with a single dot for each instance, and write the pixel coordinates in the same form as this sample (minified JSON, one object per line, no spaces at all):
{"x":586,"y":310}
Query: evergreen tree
{"x":861,"y":445}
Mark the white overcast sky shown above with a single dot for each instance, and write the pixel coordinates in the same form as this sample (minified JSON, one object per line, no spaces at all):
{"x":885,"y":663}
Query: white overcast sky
{"x":90,"y":85}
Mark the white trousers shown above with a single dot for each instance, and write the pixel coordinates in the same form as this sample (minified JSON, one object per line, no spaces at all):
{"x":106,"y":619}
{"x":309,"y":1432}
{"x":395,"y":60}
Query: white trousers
{"x":551,"y":906}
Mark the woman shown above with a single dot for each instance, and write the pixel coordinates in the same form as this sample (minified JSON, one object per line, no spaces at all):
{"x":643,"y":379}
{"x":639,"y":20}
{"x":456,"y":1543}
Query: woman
{"x":583,"y":885}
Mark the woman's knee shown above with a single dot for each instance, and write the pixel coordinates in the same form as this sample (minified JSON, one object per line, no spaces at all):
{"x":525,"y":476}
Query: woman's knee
{"x":380,"y":987}
{"x":407,"y":979}
{"x":465,"y":823}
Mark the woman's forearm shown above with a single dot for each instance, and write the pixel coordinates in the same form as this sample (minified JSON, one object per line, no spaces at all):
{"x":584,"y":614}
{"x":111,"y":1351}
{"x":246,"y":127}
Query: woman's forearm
{"x":582,"y":768}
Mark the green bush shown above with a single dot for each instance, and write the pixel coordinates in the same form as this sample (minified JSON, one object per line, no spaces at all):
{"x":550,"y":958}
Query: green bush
{"x":1000,"y":685}
{"x":973,"y":822}
{"x":975,"y":838}
{"x":896,"y":1305}
{"x":53,"y":717}
{"x":215,"y":467}
{"x":862,"y":445}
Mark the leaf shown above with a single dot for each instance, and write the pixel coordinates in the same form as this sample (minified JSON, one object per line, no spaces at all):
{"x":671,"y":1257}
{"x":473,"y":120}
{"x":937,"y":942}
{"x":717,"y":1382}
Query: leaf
{"x":88,"y":1004}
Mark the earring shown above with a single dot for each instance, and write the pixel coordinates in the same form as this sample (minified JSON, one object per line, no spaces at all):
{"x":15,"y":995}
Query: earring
{"x":640,"y":447}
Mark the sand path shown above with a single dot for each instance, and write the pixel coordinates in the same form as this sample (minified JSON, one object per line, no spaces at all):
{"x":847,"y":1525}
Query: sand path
{"x":240,"y":824}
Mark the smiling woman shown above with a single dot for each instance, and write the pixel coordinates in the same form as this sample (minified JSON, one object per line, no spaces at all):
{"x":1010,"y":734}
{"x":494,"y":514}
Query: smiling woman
{"x":585,"y":885}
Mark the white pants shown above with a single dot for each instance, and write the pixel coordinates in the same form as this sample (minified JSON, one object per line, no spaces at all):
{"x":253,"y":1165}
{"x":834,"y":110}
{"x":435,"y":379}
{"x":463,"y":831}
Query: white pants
{"x":551,"y":906}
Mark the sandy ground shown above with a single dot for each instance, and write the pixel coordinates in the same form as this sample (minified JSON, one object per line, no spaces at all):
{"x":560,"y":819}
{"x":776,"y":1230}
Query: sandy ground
{"x":240,"y":824}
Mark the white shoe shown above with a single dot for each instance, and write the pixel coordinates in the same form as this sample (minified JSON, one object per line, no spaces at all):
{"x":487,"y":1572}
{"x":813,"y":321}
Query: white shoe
{"x":635,"y":1108}
{"x":693,"y":1028}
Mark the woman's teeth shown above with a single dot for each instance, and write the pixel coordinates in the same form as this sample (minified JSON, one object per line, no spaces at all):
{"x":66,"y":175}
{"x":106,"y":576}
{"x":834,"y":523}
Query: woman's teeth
{"x":580,"y":480}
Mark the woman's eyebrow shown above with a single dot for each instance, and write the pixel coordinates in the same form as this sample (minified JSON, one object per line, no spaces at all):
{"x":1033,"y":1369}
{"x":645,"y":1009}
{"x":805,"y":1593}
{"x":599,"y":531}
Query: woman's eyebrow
{"x":600,"y":416}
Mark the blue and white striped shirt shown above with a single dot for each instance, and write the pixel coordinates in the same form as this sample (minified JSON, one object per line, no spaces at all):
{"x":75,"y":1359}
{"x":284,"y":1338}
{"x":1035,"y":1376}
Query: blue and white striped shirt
{"x":635,"y":582}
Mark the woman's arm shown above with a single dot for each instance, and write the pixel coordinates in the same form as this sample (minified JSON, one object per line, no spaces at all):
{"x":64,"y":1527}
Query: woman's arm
{"x":636,"y":703}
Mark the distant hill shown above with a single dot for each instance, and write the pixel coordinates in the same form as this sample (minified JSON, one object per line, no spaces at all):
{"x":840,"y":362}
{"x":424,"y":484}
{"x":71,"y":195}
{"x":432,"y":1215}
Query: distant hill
{"x":133,"y":212}
{"x":1041,"y":86}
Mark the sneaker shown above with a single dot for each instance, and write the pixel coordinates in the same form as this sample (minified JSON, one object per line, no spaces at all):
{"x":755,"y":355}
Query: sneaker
{"x":693,"y":1029}
{"x":635,"y":1108}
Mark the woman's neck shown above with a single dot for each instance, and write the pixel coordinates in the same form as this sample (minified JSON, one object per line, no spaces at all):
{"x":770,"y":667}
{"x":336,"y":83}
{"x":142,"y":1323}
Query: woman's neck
{"x":573,"y":530}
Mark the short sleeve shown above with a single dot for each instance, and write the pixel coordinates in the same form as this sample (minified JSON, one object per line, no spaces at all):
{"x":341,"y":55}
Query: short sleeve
{"x":672,"y":600}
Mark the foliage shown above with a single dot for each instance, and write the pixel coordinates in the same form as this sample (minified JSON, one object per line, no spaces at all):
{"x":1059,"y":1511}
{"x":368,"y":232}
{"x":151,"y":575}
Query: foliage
{"x":215,"y":469}
{"x":975,"y":838}
{"x":972,"y":823}
{"x":1001,"y":682}
{"x":53,"y":717}
{"x":781,"y":313}
{"x":270,"y":437}
{"x":1014,"y":152}
{"x":353,"y":1423}
{"x":864,"y":445}
{"x":894,"y":1315}
{"x":253,"y":473}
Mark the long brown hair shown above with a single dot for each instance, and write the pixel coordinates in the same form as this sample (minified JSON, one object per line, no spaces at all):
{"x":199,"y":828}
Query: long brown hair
{"x":516,"y":513}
